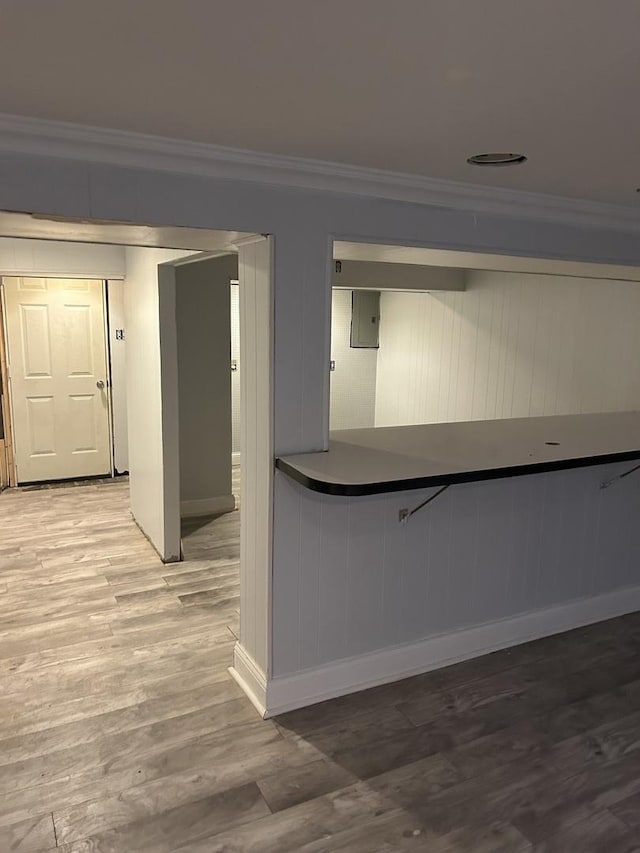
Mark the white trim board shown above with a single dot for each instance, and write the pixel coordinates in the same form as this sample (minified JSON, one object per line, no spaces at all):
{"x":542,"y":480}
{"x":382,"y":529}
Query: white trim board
{"x":207,"y":506}
{"x":29,"y":273}
{"x":422,"y":256}
{"x":24,"y":135}
{"x":246,"y":672}
{"x":393,"y":664}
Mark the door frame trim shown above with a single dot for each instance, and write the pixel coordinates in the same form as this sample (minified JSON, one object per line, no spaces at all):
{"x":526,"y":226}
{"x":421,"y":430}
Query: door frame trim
{"x":8,"y":460}
{"x":107,"y":361}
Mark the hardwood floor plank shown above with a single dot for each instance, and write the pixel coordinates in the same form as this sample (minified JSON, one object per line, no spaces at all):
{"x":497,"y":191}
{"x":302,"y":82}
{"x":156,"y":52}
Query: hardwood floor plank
{"x":39,"y":717}
{"x":208,"y":764}
{"x":165,"y":832}
{"x":628,"y":810}
{"x":187,"y":578}
{"x":565,"y":725}
{"x":540,"y":801}
{"x":284,"y":789}
{"x":417,"y":779}
{"x":222,"y":700}
{"x":291,"y":829}
{"x":125,"y":747}
{"x":357,"y":731}
{"x":32,"y":835}
{"x":53,"y":638}
{"x":595,"y":834}
{"x":401,"y":831}
{"x":564,"y":801}
{"x":601,"y":744}
{"x":365,"y":760}
{"x":76,"y":678}
{"x":94,"y":816}
{"x":224,"y":595}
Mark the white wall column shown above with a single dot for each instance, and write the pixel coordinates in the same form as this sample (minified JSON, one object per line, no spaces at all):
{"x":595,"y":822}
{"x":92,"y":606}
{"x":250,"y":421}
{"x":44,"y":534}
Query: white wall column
{"x":152,"y":388}
{"x":302,"y":343}
{"x":252,"y":653}
{"x":285,"y":345}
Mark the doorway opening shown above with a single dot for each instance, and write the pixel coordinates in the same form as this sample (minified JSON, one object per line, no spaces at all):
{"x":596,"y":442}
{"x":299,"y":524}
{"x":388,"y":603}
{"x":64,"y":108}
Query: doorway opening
{"x":176,"y":569}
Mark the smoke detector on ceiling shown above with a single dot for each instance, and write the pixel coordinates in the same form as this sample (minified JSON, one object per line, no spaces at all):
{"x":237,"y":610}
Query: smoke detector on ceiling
{"x":496,"y":158}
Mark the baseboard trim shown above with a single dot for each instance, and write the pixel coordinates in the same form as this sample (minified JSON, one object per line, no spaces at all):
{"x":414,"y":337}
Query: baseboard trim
{"x":393,"y":664}
{"x":246,"y":672}
{"x":207,"y":506}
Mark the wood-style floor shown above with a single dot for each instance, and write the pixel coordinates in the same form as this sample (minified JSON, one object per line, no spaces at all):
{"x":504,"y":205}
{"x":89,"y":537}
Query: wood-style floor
{"x":121,"y":730}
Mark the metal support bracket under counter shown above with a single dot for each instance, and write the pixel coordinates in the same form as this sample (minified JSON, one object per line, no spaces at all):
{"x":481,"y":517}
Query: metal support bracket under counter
{"x":392,"y":459}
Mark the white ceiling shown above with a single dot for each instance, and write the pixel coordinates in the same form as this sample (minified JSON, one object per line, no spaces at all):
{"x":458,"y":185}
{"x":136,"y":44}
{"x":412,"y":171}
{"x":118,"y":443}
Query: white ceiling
{"x":411,"y":86}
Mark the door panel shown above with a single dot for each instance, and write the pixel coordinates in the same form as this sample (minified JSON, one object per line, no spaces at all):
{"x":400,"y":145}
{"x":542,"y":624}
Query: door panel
{"x":84,"y":434}
{"x":41,"y":422}
{"x":36,"y":345}
{"x":80,"y":343}
{"x":57,"y":357}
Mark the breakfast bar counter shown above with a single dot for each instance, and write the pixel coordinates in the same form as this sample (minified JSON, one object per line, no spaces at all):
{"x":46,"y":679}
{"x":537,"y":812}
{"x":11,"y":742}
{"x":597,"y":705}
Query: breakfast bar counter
{"x":390,"y":459}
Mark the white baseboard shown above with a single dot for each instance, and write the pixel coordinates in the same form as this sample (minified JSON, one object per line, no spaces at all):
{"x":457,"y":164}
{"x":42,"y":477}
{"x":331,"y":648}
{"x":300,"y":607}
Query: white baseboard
{"x":207,"y":506}
{"x":392,"y":664}
{"x":250,"y":678}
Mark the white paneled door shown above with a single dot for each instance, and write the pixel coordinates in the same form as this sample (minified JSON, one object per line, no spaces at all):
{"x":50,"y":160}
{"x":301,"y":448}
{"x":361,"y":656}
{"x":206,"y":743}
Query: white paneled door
{"x":58,"y":377}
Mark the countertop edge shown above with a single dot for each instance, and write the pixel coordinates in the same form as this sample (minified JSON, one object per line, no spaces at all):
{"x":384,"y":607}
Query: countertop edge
{"x":414,"y":483}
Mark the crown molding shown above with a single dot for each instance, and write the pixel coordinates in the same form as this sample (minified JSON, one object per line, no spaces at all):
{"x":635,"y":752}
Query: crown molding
{"x":19,"y":134}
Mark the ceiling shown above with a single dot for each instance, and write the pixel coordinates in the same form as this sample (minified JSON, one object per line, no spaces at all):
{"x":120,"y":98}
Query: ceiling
{"x":414,"y":86}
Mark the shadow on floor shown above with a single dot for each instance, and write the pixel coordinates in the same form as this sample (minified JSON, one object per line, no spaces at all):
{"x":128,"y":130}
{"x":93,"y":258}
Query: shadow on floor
{"x":497,"y":753}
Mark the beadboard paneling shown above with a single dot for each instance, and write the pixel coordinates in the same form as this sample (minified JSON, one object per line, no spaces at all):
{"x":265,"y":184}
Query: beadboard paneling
{"x":349,"y":579}
{"x":353,"y":382}
{"x":256,"y":424}
{"x":509,"y":346}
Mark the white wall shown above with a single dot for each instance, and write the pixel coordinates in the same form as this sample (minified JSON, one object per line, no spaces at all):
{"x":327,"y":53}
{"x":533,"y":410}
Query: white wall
{"x":204,"y":384}
{"x":144,"y":393}
{"x":52,"y":258}
{"x":510,"y":346}
{"x":353,"y":382}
